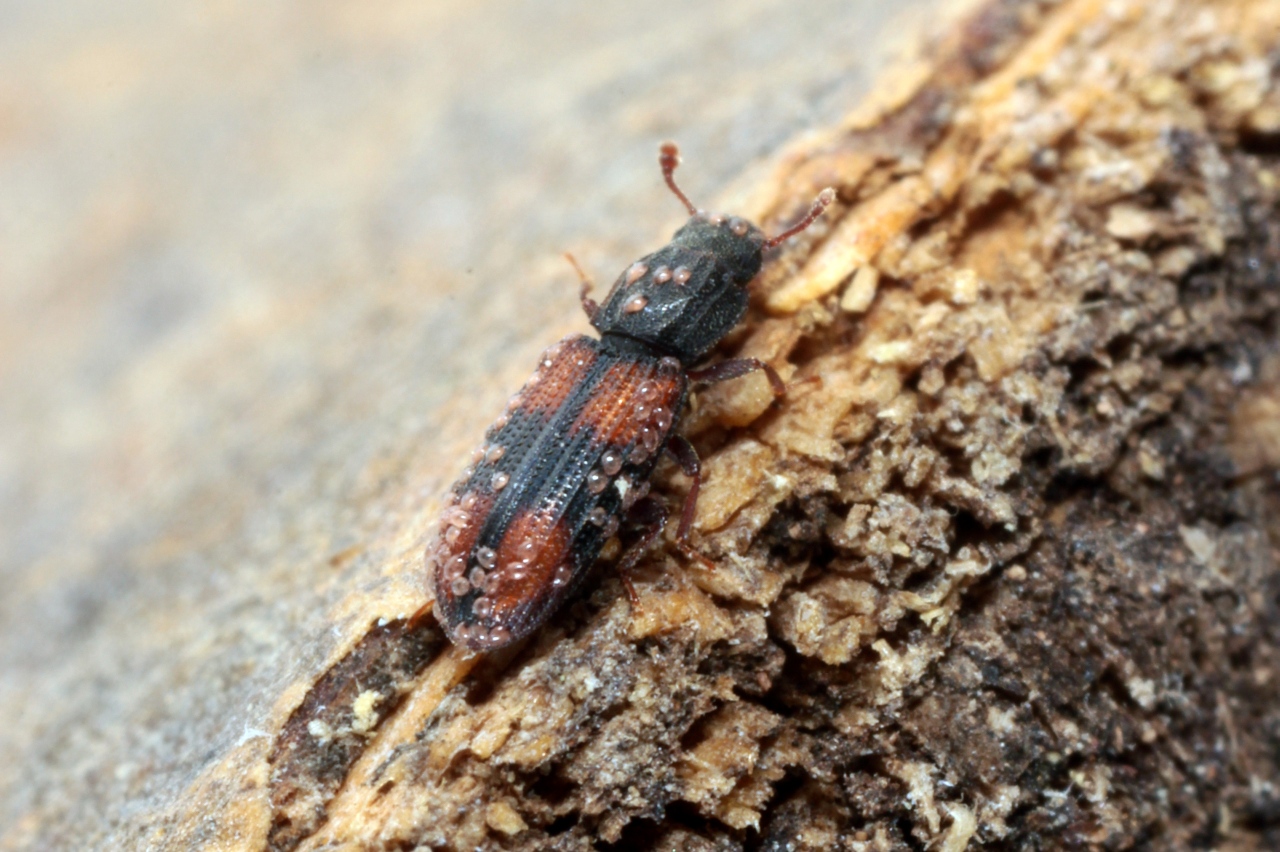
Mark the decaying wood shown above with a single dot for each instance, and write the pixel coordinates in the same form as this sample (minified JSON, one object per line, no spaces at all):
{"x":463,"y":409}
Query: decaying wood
{"x":1003,"y":567}
{"x":1001,"y":570}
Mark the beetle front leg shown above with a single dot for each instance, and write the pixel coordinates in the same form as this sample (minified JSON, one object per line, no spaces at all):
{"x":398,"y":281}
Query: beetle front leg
{"x":589,"y":305}
{"x":736,"y":367}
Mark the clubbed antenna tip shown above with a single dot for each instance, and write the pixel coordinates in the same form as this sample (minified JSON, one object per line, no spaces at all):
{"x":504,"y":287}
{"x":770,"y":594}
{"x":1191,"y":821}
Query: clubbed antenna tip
{"x":820,"y":203}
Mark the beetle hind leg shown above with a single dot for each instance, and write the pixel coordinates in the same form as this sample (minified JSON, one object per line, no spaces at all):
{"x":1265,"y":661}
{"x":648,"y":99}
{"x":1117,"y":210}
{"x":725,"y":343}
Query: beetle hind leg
{"x":651,"y":515}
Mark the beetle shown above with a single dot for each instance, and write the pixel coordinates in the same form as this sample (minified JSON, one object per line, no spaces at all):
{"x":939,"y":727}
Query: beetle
{"x":572,"y":454}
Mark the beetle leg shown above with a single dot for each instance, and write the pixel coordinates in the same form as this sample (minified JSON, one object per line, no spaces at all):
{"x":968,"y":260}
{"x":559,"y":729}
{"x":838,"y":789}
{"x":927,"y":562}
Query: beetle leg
{"x":652,"y":515}
{"x":421,"y":615}
{"x":632,"y":596}
{"x":687,"y":457}
{"x":736,"y":367}
{"x":589,"y":305}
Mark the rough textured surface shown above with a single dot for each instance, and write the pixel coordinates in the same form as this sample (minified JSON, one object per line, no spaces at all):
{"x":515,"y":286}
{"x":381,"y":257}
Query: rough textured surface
{"x":1004,"y":568}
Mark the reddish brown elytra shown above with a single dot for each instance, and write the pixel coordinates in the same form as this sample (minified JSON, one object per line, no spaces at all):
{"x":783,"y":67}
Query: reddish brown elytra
{"x":571,"y":457}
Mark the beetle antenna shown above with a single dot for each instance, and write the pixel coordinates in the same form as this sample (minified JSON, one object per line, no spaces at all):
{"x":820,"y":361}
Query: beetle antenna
{"x":669,"y":158}
{"x":820,"y":203}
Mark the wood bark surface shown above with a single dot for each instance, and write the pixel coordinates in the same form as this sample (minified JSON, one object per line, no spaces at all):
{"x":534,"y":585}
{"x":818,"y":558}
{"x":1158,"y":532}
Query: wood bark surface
{"x":1001,"y":571}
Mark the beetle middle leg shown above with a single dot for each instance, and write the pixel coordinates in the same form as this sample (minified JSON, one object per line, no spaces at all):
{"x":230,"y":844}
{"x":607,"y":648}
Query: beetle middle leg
{"x":687,"y":457}
{"x":736,"y":367}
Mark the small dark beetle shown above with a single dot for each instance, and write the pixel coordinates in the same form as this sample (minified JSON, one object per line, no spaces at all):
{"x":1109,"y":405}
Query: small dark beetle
{"x":572,"y":454}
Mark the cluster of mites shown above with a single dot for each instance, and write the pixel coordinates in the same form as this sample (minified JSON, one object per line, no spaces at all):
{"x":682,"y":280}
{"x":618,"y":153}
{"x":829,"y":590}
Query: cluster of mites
{"x":485,"y":574}
{"x":679,"y":275}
